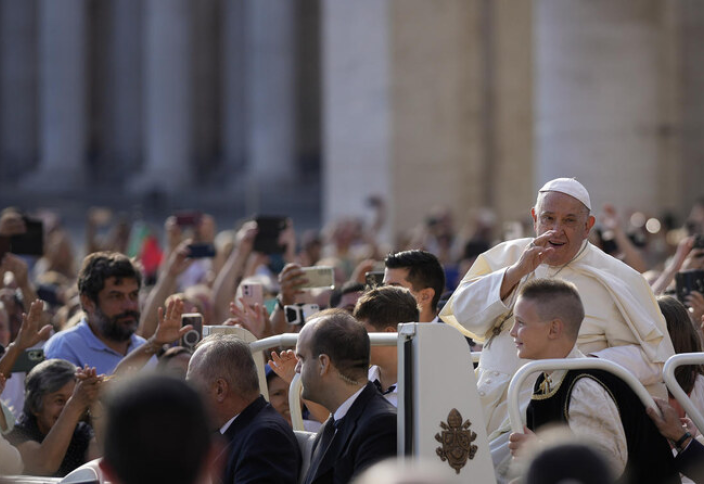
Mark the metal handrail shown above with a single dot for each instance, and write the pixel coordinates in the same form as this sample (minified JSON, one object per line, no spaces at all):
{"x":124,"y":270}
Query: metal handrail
{"x":569,"y":364}
{"x":668,"y":374}
{"x":296,"y":386}
{"x":294,"y":402}
{"x":290,"y":339}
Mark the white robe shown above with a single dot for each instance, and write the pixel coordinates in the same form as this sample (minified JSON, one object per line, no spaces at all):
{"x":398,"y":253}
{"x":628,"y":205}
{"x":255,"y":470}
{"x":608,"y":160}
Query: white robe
{"x":622,"y":323}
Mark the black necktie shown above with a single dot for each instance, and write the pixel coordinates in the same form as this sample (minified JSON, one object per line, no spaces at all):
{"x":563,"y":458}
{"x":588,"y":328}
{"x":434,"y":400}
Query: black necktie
{"x":377,"y":384}
{"x":326,"y":441}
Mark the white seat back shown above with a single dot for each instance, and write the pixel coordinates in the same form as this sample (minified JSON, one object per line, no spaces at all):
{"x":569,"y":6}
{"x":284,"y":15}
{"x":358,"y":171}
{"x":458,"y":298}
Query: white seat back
{"x":305,"y":443}
{"x":440,"y":414}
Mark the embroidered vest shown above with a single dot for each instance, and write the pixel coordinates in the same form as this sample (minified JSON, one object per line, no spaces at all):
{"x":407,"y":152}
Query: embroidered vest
{"x":650,"y":459}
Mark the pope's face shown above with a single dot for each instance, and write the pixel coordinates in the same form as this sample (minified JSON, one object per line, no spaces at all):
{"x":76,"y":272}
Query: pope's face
{"x":570,"y":221}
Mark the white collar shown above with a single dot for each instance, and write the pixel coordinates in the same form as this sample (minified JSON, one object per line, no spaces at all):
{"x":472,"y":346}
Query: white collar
{"x":344,"y":408}
{"x":224,"y":428}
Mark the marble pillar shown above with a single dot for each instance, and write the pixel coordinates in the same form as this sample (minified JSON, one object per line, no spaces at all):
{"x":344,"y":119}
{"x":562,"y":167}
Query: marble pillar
{"x":402,"y":107}
{"x":598,"y":112}
{"x":62,"y":94}
{"x":18,"y":89}
{"x":233,"y":88}
{"x":167,"y":97}
{"x":124,"y":123}
{"x":270,"y":89}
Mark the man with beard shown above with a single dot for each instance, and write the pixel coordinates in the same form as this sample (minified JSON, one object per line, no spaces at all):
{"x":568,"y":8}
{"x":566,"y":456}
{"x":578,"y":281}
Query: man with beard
{"x":108,"y":286}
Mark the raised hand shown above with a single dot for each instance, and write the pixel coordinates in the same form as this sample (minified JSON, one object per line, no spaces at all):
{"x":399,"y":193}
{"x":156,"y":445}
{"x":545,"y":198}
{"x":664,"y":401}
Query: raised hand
{"x":87,"y":388}
{"x":169,"y":327}
{"x":284,"y":364}
{"x":30,"y":333}
{"x":178,"y":260}
{"x":18,"y":267}
{"x":255,"y":319}
{"x":290,"y":279}
{"x":11,"y":223}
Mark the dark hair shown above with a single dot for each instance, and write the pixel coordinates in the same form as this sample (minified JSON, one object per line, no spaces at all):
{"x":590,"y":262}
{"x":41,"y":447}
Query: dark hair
{"x":156,"y":431}
{"x":684,"y":339}
{"x":100,"y":266}
{"x":47,"y":377}
{"x":424,"y":270}
{"x":556,"y":299}
{"x":226,"y":356}
{"x":569,"y":462}
{"x":340,"y":336}
{"x":387,"y":306}
{"x":347,"y":288}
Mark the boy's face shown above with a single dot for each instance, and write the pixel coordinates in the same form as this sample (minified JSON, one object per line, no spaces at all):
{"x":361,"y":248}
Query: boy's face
{"x":529,"y":333}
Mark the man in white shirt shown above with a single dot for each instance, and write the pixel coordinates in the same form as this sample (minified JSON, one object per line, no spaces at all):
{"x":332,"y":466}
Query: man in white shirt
{"x":596,"y":405}
{"x":381,"y":310}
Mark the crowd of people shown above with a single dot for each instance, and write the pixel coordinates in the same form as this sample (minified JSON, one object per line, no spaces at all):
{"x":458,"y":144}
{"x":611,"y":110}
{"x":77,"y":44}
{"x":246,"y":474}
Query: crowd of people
{"x":99,"y":359}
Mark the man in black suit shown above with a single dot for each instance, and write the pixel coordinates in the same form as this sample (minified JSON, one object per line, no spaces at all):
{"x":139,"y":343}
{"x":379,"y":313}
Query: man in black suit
{"x":333,"y":359}
{"x":261,"y":446}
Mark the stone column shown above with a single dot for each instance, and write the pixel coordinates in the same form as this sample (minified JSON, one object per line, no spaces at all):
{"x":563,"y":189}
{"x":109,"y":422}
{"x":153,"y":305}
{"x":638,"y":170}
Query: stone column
{"x":270,"y":89}
{"x":123,"y":140}
{"x":206,"y":88}
{"x":167,"y":97}
{"x":597,"y":97}
{"x":62,"y":96}
{"x":18,"y":88}
{"x":510,"y":60}
{"x":401,"y":109}
{"x":233,"y":83}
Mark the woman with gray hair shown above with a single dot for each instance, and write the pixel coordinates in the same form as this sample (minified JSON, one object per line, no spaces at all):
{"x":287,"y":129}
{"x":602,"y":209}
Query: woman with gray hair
{"x":50,"y":435}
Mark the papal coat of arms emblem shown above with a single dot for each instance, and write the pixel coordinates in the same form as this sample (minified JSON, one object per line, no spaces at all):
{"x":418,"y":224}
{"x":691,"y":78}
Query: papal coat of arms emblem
{"x":456,"y":439}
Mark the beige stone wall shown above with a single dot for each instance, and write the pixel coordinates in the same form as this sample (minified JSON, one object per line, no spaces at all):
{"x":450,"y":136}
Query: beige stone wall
{"x":436,"y":138}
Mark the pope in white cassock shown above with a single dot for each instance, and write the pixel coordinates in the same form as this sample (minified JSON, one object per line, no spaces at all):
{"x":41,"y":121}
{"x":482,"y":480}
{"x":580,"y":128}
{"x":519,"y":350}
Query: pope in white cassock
{"x":622,"y":323}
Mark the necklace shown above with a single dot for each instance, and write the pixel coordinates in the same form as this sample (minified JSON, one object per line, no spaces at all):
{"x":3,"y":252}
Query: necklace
{"x":553,"y":276}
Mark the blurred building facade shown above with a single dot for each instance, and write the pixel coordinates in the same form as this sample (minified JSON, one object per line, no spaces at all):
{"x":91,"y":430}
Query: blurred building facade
{"x":309,"y":107}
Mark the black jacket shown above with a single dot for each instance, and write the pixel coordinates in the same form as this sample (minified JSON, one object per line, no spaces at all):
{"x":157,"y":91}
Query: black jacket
{"x":366,"y":435}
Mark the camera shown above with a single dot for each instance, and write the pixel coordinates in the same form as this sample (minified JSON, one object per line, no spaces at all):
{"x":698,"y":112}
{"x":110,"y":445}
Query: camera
{"x":297,"y":314}
{"x":27,"y":360}
{"x":191,"y":338}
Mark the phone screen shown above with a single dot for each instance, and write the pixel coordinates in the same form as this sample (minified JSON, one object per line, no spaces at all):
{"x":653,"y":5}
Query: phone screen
{"x":200,"y":251}
{"x":253,"y":293}
{"x":318,"y":276}
{"x":191,"y":339}
{"x":32,"y":241}
{"x":268,"y":230}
